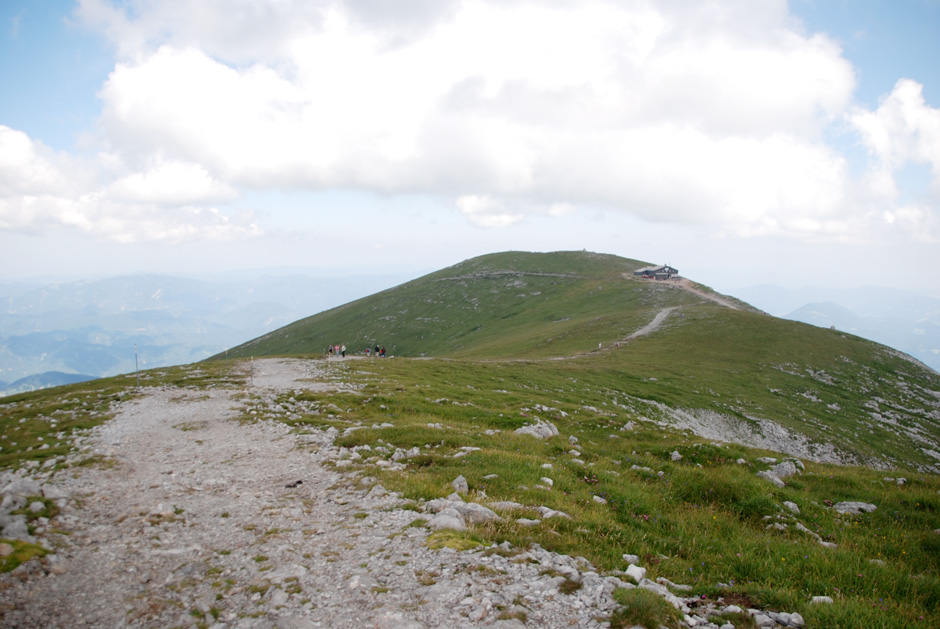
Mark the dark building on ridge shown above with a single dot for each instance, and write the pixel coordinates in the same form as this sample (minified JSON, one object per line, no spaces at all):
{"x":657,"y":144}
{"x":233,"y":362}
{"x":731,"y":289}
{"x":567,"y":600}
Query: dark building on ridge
{"x":662,"y":272}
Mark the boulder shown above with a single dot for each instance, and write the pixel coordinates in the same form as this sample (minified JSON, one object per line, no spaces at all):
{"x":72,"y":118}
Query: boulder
{"x":22,"y":487}
{"x":784,"y":470}
{"x":447,"y":519}
{"x":551,"y":513}
{"x":773,"y":479}
{"x":636,"y":573}
{"x":854,"y":507}
{"x":474,"y":513}
{"x":539,"y":430}
{"x":460,"y":485}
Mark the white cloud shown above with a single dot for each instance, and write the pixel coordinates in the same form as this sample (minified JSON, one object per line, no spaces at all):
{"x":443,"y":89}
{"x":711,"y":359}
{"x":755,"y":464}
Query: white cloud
{"x":484,"y":211}
{"x":903,"y":130}
{"x":710,"y":113}
{"x":172,"y":183}
{"x":42,"y":190}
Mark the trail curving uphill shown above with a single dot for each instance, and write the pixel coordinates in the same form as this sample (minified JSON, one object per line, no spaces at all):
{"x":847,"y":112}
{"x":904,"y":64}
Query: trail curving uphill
{"x":653,"y":325}
{"x":687,"y":285}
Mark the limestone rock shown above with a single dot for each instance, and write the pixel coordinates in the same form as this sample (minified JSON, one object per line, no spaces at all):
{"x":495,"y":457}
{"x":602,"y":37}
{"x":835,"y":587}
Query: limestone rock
{"x":540,"y":430}
{"x":854,"y":507}
{"x":773,"y":479}
{"x":636,"y":573}
{"x":448,"y":519}
{"x":784,"y":470}
{"x":552,"y":513}
{"x":460,"y":485}
{"x":474,"y":513}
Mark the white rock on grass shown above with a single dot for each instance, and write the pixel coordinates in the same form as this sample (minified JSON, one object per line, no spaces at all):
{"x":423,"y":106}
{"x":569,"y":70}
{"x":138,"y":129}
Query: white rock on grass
{"x":460,"y":485}
{"x":540,"y":430}
{"x":448,"y":519}
{"x":631,"y":558}
{"x":474,"y":513}
{"x":773,"y":479}
{"x":675,"y":456}
{"x":636,"y":572}
{"x":673,"y":586}
{"x":785,"y":469}
{"x":854,"y":507}
{"x":821,"y":600}
{"x":552,"y":513}
{"x":792,"y":506}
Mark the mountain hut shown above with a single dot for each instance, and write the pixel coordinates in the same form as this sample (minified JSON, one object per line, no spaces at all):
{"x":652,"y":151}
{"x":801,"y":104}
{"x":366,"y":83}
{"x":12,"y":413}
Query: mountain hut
{"x":662,"y":272}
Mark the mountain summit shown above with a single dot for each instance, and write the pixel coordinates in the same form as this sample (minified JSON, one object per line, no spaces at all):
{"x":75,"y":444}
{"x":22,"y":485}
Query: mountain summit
{"x":673,"y":350}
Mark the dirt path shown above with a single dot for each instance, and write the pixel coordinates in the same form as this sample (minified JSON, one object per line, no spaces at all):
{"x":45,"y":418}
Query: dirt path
{"x":687,"y":285}
{"x":199,"y":519}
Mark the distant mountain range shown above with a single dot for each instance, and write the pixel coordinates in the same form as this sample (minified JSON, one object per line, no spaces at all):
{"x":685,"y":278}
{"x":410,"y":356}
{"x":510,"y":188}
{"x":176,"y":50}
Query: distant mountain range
{"x":93,"y":327}
{"x":42,"y":381}
{"x":900,"y":319}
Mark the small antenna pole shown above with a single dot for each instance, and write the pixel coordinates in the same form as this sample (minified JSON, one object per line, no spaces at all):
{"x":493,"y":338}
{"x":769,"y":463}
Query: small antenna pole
{"x":137,"y":365}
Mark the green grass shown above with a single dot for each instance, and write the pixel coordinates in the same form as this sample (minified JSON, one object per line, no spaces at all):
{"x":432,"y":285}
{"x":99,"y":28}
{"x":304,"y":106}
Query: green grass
{"x":643,"y":608}
{"x":22,"y":552}
{"x":702,"y":522}
{"x":497,"y":325}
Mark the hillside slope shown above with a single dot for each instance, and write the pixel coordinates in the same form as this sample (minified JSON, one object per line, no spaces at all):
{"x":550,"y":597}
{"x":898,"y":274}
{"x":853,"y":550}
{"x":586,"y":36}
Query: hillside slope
{"x":504,"y":304}
{"x":666,"y":354}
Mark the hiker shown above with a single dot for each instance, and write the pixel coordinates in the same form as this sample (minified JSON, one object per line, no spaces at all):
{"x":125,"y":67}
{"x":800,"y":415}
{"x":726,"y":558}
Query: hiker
{"x":382,"y":352}
{"x":331,"y":350}
{"x":367,"y":352}
{"x":376,"y":350}
{"x":343,"y":350}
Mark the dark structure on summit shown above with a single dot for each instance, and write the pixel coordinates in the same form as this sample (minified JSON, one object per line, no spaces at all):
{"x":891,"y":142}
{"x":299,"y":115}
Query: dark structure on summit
{"x":662,"y":272}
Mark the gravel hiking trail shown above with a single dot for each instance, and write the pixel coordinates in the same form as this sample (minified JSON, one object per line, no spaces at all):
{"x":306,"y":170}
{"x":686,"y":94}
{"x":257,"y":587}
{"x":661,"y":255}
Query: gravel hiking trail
{"x":199,"y":518}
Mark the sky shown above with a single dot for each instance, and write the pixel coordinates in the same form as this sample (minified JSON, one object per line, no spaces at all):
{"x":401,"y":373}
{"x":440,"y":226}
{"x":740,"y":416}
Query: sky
{"x":741,"y":141}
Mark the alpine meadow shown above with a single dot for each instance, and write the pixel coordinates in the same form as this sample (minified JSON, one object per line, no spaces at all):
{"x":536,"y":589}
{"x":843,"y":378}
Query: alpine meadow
{"x":729,"y":467}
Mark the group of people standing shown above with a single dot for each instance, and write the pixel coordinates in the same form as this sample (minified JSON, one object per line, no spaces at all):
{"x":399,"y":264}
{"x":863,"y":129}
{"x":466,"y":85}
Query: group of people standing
{"x":340,"y":350}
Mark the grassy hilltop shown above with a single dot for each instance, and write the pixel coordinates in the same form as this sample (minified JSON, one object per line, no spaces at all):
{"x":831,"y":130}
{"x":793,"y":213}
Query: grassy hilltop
{"x":660,"y":437}
{"x":498,"y":305}
{"x":709,"y":367}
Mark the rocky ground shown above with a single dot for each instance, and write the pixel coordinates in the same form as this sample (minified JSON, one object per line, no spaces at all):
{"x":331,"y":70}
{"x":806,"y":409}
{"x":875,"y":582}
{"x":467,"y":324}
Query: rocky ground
{"x":195,"y":518}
